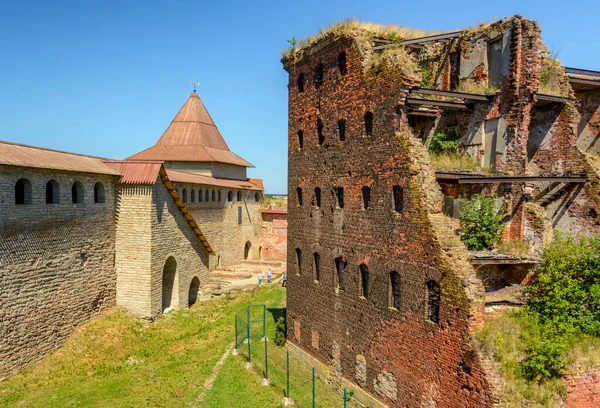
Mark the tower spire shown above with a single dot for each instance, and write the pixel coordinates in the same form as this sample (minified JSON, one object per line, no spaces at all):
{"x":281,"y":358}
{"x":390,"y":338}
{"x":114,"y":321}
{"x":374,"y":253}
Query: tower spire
{"x":194,"y":85}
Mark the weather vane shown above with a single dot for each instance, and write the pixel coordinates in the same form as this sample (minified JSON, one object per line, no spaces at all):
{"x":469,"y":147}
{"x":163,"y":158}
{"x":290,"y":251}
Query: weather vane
{"x":194,"y":85}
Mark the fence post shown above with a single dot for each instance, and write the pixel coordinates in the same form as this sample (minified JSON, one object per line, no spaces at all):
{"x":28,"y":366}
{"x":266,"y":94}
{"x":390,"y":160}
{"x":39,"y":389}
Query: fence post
{"x":313,"y":387}
{"x":345,"y":398}
{"x":265,"y":339}
{"x":236,"y":331}
{"x":248,"y":332}
{"x":287,"y":365}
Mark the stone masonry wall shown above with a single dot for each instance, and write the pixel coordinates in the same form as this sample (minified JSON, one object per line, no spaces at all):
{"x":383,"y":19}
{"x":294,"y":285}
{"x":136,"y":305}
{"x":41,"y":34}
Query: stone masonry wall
{"x":133,"y":255}
{"x":56,"y":263}
{"x":218,"y":220}
{"x":388,"y":352}
{"x":172,"y":236}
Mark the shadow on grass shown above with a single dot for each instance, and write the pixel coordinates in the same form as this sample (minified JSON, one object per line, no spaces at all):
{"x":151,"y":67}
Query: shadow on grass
{"x":277,"y":313}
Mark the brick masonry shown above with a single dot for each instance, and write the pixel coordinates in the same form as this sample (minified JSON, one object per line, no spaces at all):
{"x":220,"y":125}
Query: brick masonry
{"x":56,"y":263}
{"x":408,"y":359}
{"x":583,"y":389}
{"x":274,"y":235}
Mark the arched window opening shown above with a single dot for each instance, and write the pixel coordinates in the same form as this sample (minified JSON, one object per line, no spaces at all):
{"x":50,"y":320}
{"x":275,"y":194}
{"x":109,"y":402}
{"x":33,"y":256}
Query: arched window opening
{"x":169,"y":285}
{"x":320,"y":137}
{"x":193,"y":292}
{"x":184,"y":195}
{"x":200,"y":195}
{"x":299,"y":196}
{"x":364,"y":281}
{"x":433,"y":301}
{"x":214,"y":196}
{"x":340,"y":266}
{"x":239,"y":196}
{"x":247,"y":250}
{"x":366,"y":195}
{"x":52,"y":192}
{"x":230,"y":196}
{"x":319,"y":73}
{"x":219,"y":196}
{"x":342,"y":129}
{"x":99,"y":197}
{"x":300,"y":139}
{"x":317,"y":260}
{"x":369,"y":123}
{"x":259,"y":252}
{"x":193,"y":195}
{"x":207,"y":196}
{"x":257,"y":197}
{"x":317,"y":197}
{"x":339,"y":197}
{"x":77,"y":193}
{"x":341,"y":60}
{"x":300,"y":82}
{"x":23,"y":191}
{"x":395,"y":290}
{"x":299,"y":260}
{"x":398,"y":199}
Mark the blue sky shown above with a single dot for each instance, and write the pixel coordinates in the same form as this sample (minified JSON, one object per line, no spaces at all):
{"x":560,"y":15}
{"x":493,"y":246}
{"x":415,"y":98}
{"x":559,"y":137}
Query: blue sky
{"x":106,"y":77}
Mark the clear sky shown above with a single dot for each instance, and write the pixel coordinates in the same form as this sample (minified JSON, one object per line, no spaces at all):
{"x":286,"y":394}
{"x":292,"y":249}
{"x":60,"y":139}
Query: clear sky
{"x":106,"y":77}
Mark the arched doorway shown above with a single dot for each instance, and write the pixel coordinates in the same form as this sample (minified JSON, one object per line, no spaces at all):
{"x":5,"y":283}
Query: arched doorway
{"x":259,"y":252}
{"x":247,"y":250}
{"x":169,"y":289}
{"x":193,"y":293}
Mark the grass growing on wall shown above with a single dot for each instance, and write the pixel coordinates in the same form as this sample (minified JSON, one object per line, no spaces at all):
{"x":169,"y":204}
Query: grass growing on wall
{"x":116,"y":360}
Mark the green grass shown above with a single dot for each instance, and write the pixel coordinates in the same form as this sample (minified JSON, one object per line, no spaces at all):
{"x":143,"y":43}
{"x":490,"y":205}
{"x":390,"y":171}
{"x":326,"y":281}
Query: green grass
{"x":176,"y":355}
{"x":515,"y":247}
{"x":456,"y":163}
{"x":504,"y":340}
{"x":276,"y":203}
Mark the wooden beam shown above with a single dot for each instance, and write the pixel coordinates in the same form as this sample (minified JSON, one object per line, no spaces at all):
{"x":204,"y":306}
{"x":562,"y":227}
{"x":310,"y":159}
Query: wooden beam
{"x":442,"y":104}
{"x":473,"y":97}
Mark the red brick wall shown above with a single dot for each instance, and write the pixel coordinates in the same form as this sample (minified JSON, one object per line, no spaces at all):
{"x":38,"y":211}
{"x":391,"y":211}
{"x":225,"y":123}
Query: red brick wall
{"x":584,"y":390}
{"x":409,"y":360}
{"x":274,"y":236}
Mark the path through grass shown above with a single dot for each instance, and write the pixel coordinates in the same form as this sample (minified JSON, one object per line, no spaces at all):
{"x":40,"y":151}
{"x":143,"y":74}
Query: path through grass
{"x":119,"y":361}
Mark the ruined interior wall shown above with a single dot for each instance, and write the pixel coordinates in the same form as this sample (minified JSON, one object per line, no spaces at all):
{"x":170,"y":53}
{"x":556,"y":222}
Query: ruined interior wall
{"x":583,"y":389}
{"x":173,"y":236}
{"x":133,"y":249}
{"x":588,"y":134}
{"x":56,"y":263}
{"x":218,"y":221}
{"x":339,"y":327}
{"x":274,"y":236}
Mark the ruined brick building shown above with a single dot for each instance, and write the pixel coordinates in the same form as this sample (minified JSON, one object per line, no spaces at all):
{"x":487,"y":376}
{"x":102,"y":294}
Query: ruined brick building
{"x":381,"y":291}
{"x":79,"y":234}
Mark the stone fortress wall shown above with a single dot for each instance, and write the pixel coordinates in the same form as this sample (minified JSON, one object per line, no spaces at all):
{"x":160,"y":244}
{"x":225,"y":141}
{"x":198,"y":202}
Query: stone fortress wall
{"x":56,"y":261}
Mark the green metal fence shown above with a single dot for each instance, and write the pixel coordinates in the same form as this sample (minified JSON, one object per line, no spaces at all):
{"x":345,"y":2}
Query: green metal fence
{"x":254,"y":328}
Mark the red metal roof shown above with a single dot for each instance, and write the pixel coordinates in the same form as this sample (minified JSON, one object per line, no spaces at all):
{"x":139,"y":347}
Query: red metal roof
{"x":184,"y":177}
{"x":133,"y":172}
{"x":13,"y":154}
{"x":192,"y":136}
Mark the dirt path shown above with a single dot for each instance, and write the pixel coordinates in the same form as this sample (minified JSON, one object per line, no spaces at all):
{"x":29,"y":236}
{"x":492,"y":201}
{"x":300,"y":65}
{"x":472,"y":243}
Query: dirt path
{"x":208,"y":383}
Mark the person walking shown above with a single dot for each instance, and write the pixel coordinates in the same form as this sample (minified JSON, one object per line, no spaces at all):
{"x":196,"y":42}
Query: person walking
{"x":269,"y":275}
{"x":284,"y":279}
{"x":259,"y":278}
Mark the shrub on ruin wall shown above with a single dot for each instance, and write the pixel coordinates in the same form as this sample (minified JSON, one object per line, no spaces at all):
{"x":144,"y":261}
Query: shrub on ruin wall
{"x":280,"y":332}
{"x":444,"y":143}
{"x":481,"y":226}
{"x":563,"y":301}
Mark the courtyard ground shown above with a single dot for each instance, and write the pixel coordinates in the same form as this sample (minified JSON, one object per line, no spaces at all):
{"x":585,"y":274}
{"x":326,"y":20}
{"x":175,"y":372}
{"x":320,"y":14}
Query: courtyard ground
{"x":116,"y":360}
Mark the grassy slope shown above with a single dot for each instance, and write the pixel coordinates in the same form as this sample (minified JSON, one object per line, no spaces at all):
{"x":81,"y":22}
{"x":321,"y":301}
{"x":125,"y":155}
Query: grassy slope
{"x":176,"y":355}
{"x":503,"y":341}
